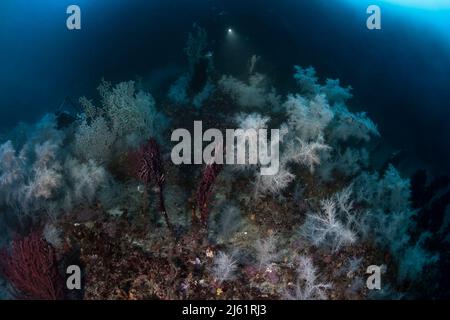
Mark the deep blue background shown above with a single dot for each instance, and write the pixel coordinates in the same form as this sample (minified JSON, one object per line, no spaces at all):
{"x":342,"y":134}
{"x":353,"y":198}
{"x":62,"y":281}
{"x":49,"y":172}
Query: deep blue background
{"x":401,"y":74}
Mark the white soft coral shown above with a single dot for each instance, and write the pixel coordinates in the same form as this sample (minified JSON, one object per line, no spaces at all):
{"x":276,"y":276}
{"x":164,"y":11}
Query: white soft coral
{"x":307,"y":80}
{"x":266,"y":251}
{"x":12,"y":173}
{"x":332,"y":225}
{"x":352,"y":125}
{"x":131,"y":115}
{"x":225,"y":266}
{"x":94,"y":140}
{"x":307,"y":154}
{"x":307,"y":286}
{"x":273,"y":184}
{"x":85,"y":179}
{"x":255,"y":94}
{"x":28,"y":179}
{"x":251,"y":121}
{"x":308,"y":118}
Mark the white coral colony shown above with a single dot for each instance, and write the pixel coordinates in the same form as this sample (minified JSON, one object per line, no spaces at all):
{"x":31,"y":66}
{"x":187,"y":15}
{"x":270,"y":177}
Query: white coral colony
{"x":305,"y":231}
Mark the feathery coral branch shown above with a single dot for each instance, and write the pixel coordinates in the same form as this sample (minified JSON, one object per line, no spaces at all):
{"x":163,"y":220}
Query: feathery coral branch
{"x":31,"y":268}
{"x":204,"y":190}
{"x":149,"y":169}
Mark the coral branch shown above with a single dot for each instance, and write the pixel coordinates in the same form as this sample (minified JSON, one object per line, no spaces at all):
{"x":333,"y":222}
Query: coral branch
{"x":204,"y":190}
{"x":31,"y":268}
{"x":149,"y":168}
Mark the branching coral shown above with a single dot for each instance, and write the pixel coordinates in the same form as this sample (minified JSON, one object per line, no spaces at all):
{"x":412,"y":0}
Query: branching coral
{"x":307,"y":154}
{"x":194,"y":87}
{"x":229,"y":222}
{"x":204,"y":191}
{"x":12,"y":173}
{"x":31,"y":267}
{"x":84,"y":179}
{"x":256,"y":94}
{"x":196,"y":45}
{"x":273,"y":184}
{"x":308,"y":118}
{"x":389,"y":193}
{"x":125,"y":118}
{"x":44,"y":178}
{"x":94,"y":141}
{"x":224,"y":268}
{"x":59,"y":170}
{"x":332,"y":226}
{"x":251,"y":121}
{"x":245,"y":95}
{"x":148,"y":167}
{"x":353,"y":265}
{"x":356,"y":125}
{"x":320,"y":120}
{"x":307,"y":286}
{"x":266,"y":251}
{"x":53,"y":235}
{"x":349,"y":162}
{"x":307,"y":79}
{"x":308,"y":82}
{"x":31,"y":177}
{"x":132,"y":114}
{"x":415,"y":258}
{"x":249,"y":126}
{"x":390,"y":220}
{"x":335,"y":92}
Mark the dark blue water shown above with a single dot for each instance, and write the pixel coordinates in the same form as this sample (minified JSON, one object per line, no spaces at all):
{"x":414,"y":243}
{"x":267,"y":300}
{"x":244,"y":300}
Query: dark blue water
{"x":400,"y":74}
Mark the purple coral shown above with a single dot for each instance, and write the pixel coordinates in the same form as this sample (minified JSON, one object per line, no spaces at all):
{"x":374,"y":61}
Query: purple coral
{"x":205,"y":189}
{"x":148,"y":167}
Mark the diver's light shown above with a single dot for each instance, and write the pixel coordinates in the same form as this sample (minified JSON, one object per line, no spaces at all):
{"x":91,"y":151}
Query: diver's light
{"x":230,"y":31}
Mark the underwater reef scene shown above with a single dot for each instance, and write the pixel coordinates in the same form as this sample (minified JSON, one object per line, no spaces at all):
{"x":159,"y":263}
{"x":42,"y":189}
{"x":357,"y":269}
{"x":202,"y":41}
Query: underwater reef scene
{"x":98,"y":189}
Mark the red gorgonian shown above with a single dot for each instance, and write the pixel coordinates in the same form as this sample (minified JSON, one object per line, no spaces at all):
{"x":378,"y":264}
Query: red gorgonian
{"x":30,"y":266}
{"x":205,"y":189}
{"x":147,"y":166}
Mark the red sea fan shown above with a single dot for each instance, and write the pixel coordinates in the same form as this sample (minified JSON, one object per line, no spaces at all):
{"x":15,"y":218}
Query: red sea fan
{"x":205,"y":189}
{"x":148,"y":167}
{"x":30,"y":265}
